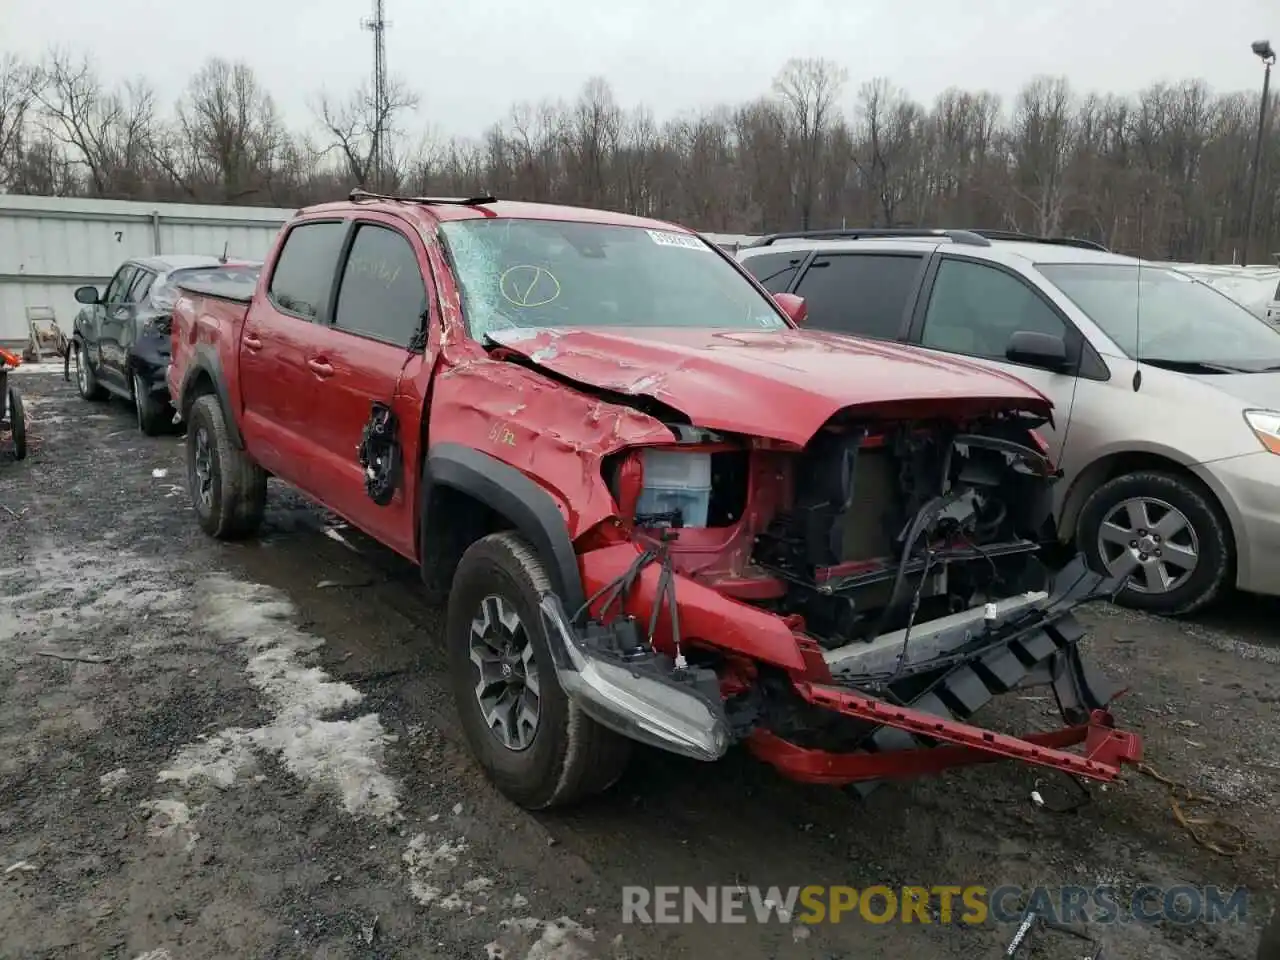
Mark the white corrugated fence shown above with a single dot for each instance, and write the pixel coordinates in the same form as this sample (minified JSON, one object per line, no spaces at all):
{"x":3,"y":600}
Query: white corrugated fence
{"x":51,"y":245}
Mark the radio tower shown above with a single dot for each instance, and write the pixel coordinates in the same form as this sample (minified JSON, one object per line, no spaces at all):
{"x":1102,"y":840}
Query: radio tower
{"x":378,"y":26}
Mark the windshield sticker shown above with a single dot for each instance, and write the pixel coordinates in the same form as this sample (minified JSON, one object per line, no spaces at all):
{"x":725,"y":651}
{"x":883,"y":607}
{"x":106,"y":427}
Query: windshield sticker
{"x":665,"y":239}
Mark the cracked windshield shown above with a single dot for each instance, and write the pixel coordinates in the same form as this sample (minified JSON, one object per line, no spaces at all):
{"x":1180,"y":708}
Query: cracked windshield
{"x":544,"y":273}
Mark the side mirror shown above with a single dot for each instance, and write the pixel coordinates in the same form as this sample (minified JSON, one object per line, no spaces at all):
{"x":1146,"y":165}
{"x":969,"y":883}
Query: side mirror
{"x":1042,"y":350}
{"x":793,"y":306}
{"x":87,"y":295}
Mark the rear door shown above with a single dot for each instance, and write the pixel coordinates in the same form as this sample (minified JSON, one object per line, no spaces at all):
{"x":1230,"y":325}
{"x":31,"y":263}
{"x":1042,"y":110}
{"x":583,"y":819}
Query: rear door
{"x":277,"y":387}
{"x":971,"y":309}
{"x":111,"y":316}
{"x":865,"y":294}
{"x":372,"y":352}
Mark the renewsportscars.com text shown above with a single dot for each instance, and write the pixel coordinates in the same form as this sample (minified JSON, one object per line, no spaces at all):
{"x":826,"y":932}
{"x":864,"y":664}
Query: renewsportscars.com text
{"x":816,"y":904}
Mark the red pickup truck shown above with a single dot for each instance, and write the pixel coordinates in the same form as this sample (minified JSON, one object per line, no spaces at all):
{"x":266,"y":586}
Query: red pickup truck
{"x":659,"y":511}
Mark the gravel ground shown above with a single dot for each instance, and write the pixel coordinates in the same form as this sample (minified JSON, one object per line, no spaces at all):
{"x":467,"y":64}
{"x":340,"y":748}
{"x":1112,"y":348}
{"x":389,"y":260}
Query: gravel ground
{"x":213,"y":750}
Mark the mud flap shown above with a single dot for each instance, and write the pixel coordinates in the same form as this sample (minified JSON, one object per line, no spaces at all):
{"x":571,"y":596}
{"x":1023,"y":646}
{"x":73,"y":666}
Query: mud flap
{"x":380,"y":455}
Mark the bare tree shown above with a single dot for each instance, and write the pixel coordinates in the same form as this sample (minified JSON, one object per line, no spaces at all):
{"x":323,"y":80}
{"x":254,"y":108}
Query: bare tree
{"x":231,"y":133}
{"x":19,"y":85}
{"x":809,"y":90}
{"x":357,"y":124}
{"x":111,"y":133}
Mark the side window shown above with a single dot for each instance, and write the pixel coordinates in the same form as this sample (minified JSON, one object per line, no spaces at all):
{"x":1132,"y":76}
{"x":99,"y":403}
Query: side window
{"x":975,"y":309}
{"x":382,"y":293}
{"x":119,"y":284}
{"x":304,"y":270}
{"x":864,"y":294}
{"x":775,"y":271}
{"x":141,"y":286}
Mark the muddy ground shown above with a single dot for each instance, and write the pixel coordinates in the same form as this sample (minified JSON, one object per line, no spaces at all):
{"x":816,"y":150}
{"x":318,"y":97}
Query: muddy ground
{"x":213,"y":750}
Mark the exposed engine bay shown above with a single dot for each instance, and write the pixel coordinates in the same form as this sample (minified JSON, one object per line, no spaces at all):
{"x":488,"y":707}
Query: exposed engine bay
{"x":873,"y":527}
{"x":910,"y":523}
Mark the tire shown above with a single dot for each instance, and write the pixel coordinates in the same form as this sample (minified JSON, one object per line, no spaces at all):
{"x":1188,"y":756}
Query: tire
{"x":154,"y":416}
{"x":568,"y":756}
{"x":230,"y":495}
{"x":1166,"y":497}
{"x":17,"y":425}
{"x":86,"y":381}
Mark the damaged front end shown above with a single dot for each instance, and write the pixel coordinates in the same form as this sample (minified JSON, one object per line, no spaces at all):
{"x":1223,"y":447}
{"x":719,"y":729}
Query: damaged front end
{"x":842,"y":609}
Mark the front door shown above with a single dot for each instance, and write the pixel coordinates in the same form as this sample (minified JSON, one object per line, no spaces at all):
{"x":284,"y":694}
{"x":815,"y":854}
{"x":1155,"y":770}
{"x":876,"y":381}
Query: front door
{"x":974,"y":308}
{"x":112,"y":316}
{"x":371,"y":355}
{"x":277,"y":388}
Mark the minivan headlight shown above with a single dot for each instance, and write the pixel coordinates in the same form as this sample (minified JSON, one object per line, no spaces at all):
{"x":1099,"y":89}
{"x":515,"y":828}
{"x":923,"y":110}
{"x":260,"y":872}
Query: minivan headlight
{"x":1265,"y":425}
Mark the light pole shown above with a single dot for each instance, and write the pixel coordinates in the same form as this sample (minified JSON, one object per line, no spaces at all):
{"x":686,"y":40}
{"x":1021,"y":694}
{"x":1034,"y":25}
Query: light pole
{"x":1263,"y":49}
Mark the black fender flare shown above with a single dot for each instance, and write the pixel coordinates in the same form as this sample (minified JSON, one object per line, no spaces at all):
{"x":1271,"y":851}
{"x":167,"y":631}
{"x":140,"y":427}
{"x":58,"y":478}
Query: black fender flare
{"x":510,"y":493}
{"x":206,"y":361}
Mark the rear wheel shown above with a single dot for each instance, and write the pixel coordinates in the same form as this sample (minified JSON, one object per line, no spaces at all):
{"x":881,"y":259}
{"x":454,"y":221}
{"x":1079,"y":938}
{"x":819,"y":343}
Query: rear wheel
{"x":1166,"y":534}
{"x":154,"y":416}
{"x":534,"y":743}
{"x":228,"y":490}
{"x":86,"y":381}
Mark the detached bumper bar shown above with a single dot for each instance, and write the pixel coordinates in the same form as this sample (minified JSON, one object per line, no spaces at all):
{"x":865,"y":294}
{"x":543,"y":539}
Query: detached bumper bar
{"x":634,"y":699}
{"x":1106,"y":748}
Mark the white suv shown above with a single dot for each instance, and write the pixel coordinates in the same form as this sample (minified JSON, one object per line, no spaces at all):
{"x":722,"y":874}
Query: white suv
{"x":1172,"y":464}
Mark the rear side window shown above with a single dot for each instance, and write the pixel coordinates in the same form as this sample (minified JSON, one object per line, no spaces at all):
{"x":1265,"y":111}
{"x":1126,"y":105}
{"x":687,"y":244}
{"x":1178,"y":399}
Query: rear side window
{"x":864,"y":294}
{"x":141,"y":286}
{"x":775,"y":271}
{"x":304,"y":270}
{"x":382,"y":293}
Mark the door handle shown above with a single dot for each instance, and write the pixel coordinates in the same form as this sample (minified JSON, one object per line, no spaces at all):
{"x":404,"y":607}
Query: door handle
{"x":252,"y":342}
{"x":320,"y":368}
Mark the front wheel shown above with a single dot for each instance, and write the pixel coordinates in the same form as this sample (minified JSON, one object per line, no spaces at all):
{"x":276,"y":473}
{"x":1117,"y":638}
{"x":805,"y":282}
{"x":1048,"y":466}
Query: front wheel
{"x":533,"y":742}
{"x":228,"y":490}
{"x":1163,"y":532}
{"x":86,"y":381}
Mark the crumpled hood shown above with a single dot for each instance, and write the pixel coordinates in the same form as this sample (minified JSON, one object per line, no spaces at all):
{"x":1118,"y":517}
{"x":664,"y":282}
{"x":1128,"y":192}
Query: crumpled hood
{"x":783,"y":385}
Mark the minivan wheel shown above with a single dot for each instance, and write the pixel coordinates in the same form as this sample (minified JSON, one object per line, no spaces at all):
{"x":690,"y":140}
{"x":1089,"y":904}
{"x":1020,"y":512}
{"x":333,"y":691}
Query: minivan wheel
{"x":535,"y":744}
{"x":228,"y":490}
{"x":1166,"y":534}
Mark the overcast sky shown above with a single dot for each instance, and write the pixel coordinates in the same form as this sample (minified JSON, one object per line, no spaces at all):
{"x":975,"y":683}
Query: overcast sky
{"x":471,"y":59}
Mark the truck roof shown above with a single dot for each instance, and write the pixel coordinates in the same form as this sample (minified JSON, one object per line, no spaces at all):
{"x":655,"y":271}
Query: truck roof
{"x":428,"y":213}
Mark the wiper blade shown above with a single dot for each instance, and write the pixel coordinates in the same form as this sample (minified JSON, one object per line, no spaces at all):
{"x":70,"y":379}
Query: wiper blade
{"x":1196,"y":366}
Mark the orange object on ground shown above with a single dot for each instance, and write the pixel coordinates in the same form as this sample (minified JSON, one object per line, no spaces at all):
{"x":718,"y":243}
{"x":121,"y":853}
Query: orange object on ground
{"x":10,"y":358}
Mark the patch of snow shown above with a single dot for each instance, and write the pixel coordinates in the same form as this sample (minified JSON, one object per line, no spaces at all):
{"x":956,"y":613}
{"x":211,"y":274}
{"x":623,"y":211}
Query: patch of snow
{"x":430,"y":861}
{"x":562,"y":939}
{"x":170,"y":818}
{"x":345,"y":756}
{"x":160,"y":954}
{"x":109,"y":781}
{"x":218,"y":760}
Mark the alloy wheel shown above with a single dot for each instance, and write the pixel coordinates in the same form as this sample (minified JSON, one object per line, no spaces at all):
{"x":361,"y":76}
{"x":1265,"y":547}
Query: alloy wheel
{"x":203,"y":463}
{"x":1150,"y":541}
{"x":507,"y":687}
